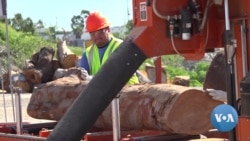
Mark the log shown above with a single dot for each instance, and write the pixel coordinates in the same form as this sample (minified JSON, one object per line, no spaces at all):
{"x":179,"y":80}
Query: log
{"x":41,"y":67}
{"x":181,"y":80}
{"x":34,"y":76}
{"x":81,"y":73}
{"x":166,"y":107}
{"x":24,"y":85}
{"x":18,"y":80}
{"x":65,"y":56}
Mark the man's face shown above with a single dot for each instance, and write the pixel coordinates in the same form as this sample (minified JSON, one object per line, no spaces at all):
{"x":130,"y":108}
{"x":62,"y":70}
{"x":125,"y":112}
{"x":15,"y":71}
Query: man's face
{"x":100,"y":37}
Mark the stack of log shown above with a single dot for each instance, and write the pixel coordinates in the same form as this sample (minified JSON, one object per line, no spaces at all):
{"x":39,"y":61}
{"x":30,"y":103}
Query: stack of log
{"x":41,"y":67}
{"x":166,"y":107}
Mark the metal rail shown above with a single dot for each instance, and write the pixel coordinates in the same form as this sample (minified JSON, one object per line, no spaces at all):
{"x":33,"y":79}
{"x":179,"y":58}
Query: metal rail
{"x":13,"y":137}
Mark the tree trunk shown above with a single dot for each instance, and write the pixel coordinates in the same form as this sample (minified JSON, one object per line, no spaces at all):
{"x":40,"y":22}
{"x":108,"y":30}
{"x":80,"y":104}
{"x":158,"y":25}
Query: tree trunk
{"x":171,"y":108}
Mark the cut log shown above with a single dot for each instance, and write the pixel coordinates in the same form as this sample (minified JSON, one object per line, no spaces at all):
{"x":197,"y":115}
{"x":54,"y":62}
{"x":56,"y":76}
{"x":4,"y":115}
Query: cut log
{"x":70,"y":61}
{"x":24,"y":85}
{"x":65,"y":56}
{"x":166,"y":107}
{"x":181,"y":80}
{"x":41,"y":68}
{"x":33,"y":76}
{"x":18,"y":80}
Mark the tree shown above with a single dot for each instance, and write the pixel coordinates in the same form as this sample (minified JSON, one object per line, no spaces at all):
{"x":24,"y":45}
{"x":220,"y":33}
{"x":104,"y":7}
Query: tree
{"x":39,"y":24}
{"x":173,"y":60}
{"x":77,"y":23}
{"x":28,"y":26}
{"x":17,"y":22}
{"x":51,"y":31}
{"x":129,"y":27}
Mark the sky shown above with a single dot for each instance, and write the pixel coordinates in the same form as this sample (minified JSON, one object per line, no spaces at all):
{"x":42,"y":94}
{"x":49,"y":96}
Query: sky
{"x":59,"y":12}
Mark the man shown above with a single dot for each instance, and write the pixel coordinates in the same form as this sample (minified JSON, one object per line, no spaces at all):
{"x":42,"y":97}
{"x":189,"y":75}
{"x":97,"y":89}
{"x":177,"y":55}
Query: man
{"x":103,"y":44}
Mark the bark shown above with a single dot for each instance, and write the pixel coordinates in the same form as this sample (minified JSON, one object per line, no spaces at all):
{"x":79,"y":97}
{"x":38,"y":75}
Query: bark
{"x":81,"y":73}
{"x":65,"y":56}
{"x":166,"y":107}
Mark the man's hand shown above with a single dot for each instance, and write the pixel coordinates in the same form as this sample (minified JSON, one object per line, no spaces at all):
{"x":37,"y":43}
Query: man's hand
{"x":218,"y":94}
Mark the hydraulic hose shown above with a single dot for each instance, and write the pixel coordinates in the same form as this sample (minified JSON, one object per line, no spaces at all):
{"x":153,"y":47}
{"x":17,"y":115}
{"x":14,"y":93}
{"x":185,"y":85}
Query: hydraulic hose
{"x":99,"y":93}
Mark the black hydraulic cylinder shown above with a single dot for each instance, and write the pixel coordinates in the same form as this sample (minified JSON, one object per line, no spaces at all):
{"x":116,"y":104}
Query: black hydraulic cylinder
{"x":231,"y":90}
{"x":99,"y":93}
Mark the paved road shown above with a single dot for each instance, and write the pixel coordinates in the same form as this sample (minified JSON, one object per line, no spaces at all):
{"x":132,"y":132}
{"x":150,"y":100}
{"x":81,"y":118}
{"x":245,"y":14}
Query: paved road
{"x":6,"y":108}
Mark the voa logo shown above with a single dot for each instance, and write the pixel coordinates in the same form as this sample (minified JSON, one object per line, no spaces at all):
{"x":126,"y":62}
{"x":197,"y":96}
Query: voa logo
{"x":224,"y":117}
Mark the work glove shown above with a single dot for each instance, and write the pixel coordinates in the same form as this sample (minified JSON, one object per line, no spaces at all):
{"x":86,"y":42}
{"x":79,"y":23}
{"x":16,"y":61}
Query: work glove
{"x":218,"y":94}
{"x":89,"y":77}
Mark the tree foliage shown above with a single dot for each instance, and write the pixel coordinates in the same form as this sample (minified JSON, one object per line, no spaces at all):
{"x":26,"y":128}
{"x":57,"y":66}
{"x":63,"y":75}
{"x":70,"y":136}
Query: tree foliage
{"x":24,"y":25}
{"x":197,"y":74}
{"x":17,"y":22}
{"x":51,"y":32}
{"x":77,"y":23}
{"x":28,"y":26}
{"x":39,"y":24}
{"x":129,"y":27}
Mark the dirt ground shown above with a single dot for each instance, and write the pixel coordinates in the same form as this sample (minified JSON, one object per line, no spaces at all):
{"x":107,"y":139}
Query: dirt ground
{"x":7,"y":112}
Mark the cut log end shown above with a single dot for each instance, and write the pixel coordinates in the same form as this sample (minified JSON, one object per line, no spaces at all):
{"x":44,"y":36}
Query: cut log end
{"x":69,"y":61}
{"x":191,"y":111}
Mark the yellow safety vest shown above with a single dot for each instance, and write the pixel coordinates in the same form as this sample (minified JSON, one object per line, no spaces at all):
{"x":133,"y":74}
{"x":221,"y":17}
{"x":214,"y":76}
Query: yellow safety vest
{"x":95,"y":62}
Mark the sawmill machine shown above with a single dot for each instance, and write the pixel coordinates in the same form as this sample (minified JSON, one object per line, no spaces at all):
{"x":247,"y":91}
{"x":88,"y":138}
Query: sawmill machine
{"x":189,"y":28}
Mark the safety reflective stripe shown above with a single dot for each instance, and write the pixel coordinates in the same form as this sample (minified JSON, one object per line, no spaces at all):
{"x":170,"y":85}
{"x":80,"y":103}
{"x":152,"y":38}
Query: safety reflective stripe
{"x":90,"y":57}
{"x":92,"y":52}
{"x":111,"y":48}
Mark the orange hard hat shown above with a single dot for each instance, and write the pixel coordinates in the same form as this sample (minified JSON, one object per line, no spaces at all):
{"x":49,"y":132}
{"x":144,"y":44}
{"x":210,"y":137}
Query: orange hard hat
{"x":96,"y":21}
